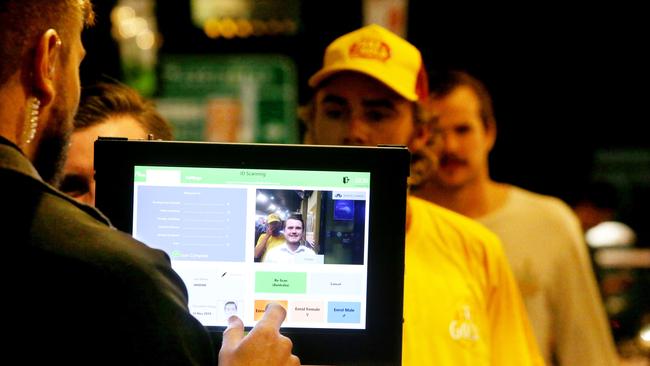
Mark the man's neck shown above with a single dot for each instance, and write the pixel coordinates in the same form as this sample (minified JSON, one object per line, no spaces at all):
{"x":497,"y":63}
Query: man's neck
{"x":12,"y":115}
{"x":9,"y":114}
{"x":474,"y":200}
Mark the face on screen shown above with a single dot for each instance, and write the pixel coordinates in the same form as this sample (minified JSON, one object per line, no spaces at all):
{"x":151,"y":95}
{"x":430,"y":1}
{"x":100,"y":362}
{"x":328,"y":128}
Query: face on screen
{"x":293,"y":231}
{"x":230,"y":309}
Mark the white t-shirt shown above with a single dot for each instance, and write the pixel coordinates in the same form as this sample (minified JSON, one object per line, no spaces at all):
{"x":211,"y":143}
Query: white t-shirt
{"x":283,"y":254}
{"x":543,"y":241}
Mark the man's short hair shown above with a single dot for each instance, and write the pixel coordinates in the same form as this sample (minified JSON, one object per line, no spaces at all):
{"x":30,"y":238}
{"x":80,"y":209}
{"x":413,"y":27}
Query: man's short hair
{"x":105,"y":100}
{"x":444,"y":83}
{"x":23,"y":21}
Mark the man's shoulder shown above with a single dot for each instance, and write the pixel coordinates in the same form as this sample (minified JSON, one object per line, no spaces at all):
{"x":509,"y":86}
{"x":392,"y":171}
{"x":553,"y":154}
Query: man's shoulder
{"x":56,"y":224}
{"x":276,"y":253}
{"x":280,"y":247}
{"x":272,"y":239}
{"x":443,"y":219}
{"x":537,"y":199}
{"x":278,"y":239}
{"x":306,"y":249}
{"x":436,"y":231}
{"x":545,"y":207}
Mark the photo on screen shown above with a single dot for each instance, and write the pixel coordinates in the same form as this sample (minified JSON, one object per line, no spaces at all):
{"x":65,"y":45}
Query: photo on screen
{"x":230,"y":308}
{"x":280,"y":230}
{"x":296,"y":226}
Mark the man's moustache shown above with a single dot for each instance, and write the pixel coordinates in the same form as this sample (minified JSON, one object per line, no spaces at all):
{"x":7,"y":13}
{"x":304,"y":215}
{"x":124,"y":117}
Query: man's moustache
{"x":451,"y":159}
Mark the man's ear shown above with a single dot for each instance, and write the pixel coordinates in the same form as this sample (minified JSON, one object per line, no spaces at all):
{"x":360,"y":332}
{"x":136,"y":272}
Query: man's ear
{"x":306,"y":117}
{"x":48,"y":51}
{"x":491,"y":134}
{"x":422,"y":137}
{"x":308,"y":137}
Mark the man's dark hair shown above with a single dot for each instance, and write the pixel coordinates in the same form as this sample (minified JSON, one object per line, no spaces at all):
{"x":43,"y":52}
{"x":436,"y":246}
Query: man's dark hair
{"x":23,"y":21}
{"x":295,"y":217}
{"x":442,"y":84}
{"x":105,"y":100}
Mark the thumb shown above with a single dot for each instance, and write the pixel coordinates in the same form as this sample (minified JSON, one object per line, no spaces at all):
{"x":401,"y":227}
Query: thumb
{"x":233,"y":335}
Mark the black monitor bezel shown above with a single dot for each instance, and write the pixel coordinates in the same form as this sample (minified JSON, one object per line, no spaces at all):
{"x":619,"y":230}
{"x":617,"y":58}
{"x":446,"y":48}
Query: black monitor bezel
{"x":380,"y":342}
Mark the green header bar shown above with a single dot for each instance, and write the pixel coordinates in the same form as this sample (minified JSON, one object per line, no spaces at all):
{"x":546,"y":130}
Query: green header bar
{"x":183,"y":175}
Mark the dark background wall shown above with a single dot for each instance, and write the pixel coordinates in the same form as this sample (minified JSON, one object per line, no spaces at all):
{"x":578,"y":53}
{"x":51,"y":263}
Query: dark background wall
{"x":566,"y":81}
{"x":570,"y":88}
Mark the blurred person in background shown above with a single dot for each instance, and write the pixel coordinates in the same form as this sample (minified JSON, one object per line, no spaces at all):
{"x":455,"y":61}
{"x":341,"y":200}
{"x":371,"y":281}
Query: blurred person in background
{"x":541,"y":235}
{"x":107,"y":110}
{"x":597,"y":203}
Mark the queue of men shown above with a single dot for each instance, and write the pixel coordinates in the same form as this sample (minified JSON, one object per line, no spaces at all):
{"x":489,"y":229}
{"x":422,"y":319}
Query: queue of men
{"x":372,"y":89}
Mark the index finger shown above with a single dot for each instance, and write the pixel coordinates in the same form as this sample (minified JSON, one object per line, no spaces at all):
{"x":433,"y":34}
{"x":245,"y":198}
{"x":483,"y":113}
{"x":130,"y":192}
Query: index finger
{"x":274,"y":315}
{"x":233,"y":334}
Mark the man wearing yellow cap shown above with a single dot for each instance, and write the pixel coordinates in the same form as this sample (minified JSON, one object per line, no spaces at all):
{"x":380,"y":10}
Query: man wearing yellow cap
{"x":271,"y":239}
{"x":461,"y":303}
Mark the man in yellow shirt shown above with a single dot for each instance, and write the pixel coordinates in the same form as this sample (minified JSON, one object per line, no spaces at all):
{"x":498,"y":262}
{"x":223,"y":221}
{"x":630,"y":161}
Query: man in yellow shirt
{"x":272,"y":238}
{"x":461,"y":303}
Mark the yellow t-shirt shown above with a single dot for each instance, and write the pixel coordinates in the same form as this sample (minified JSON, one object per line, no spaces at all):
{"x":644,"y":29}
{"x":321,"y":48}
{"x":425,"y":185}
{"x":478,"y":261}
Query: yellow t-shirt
{"x":461,"y":303}
{"x":273,"y":242}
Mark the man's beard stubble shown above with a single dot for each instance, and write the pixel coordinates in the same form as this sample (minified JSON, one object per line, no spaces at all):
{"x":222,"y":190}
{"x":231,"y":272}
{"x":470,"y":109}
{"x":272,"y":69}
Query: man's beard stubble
{"x":423,"y":164}
{"x":52,"y":150}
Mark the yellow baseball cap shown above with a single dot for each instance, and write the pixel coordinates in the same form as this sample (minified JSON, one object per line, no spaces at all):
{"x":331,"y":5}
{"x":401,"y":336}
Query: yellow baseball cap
{"x":273,"y":218}
{"x":380,"y":54}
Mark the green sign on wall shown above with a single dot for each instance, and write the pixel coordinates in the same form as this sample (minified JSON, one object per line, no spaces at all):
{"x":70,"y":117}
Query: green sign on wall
{"x":235,"y":98}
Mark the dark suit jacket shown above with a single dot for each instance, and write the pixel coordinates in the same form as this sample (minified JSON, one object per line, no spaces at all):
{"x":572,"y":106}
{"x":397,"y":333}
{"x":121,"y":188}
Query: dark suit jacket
{"x":77,"y":291}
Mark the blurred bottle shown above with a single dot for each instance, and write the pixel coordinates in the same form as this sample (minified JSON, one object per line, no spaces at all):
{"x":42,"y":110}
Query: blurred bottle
{"x":135,"y":29}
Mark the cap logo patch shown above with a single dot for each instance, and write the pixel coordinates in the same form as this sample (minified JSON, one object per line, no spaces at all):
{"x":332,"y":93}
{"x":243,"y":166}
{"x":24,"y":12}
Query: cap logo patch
{"x":371,"y":49}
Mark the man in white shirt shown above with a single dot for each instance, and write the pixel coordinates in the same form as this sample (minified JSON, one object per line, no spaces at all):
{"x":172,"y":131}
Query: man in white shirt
{"x":540,"y":234}
{"x":292,"y":248}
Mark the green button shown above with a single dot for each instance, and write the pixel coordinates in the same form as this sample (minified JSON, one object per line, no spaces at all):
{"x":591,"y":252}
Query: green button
{"x":281,"y":282}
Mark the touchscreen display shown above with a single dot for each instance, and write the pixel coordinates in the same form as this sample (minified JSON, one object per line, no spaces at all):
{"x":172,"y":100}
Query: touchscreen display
{"x":310,"y":229}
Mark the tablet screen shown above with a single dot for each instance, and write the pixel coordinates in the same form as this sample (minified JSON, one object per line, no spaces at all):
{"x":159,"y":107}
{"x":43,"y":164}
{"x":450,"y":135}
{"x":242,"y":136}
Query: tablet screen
{"x":318,"y":229}
{"x":209,"y":221}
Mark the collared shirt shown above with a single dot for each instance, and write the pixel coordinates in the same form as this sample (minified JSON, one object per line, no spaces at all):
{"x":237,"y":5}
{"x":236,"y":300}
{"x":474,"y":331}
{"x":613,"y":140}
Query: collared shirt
{"x":284,"y":254}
